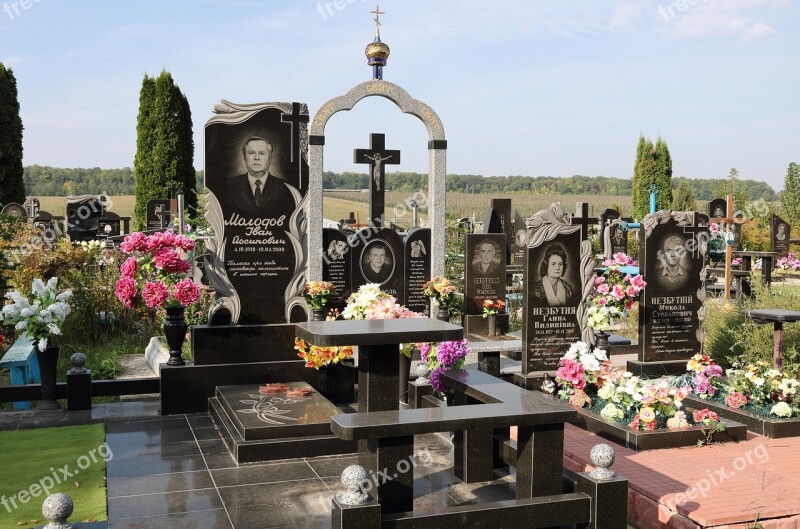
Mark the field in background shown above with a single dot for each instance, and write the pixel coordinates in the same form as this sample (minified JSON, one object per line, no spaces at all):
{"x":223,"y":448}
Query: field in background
{"x":339,"y":205}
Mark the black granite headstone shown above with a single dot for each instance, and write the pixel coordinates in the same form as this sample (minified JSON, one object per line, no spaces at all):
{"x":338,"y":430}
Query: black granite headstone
{"x":484,"y":270}
{"x":336,"y":266}
{"x":83,"y":217}
{"x":781,"y":233}
{"x":619,"y":239}
{"x":110,"y":225}
{"x":256,"y":167}
{"x":606,"y":217}
{"x":520,"y":239}
{"x":378,"y":258}
{"x":717,"y":208}
{"x":417,"y":268}
{"x":158,"y":214}
{"x":12,"y":209}
{"x":377,"y":156}
{"x":670,"y":314}
{"x":503,"y":208}
{"x":553,"y":295}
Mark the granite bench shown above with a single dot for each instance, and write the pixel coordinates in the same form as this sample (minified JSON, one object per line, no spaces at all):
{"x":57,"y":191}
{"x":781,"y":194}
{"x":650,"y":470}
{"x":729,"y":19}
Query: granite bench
{"x":777,"y":317}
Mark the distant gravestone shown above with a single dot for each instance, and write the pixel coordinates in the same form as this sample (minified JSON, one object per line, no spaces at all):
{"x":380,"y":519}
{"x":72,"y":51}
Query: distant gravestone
{"x":781,"y":233}
{"x":520,"y":245}
{"x":484,"y":271}
{"x":158,"y":214}
{"x":336,"y":265}
{"x":110,"y":225}
{"x":559,"y":274}
{"x":256,"y":170}
{"x":503,"y":208}
{"x":582,"y":218}
{"x":718,"y":208}
{"x":12,"y":209}
{"x":606,"y":217}
{"x":378,"y":258}
{"x":83,"y":217}
{"x":671,"y":311}
{"x":417,"y":269}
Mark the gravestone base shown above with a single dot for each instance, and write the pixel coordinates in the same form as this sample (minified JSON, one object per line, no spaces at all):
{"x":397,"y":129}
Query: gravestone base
{"x":532,"y":381}
{"x":259,"y":427}
{"x":656,"y":369}
{"x":479,"y":326}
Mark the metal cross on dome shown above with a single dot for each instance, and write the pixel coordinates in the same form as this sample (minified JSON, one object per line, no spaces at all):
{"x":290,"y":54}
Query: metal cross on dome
{"x":377,"y":19}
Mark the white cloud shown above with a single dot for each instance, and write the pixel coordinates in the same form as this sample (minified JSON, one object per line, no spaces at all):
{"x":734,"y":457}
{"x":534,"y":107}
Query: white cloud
{"x":748,"y":20}
{"x":625,"y":17}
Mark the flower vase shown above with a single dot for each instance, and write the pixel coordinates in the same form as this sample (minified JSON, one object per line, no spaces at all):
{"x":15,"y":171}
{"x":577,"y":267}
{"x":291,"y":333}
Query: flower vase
{"x":405,"y":373}
{"x":601,"y":342}
{"x":175,"y":333}
{"x":492,"y":322}
{"x":442,"y":313}
{"x":318,"y":314}
{"x":326,"y":381}
{"x":48,"y":368}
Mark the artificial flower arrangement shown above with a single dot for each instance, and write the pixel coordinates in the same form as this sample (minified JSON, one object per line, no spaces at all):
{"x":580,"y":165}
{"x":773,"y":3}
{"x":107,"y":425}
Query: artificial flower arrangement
{"x":158,"y":264}
{"x":703,"y":375}
{"x":40,"y":316}
{"x":442,"y":290}
{"x":443,"y":356}
{"x":761,"y":388}
{"x":317,"y":356}
{"x":490,"y":308}
{"x":586,"y":379}
{"x":613,"y":292}
{"x":316,"y":293}
{"x":790,"y":262}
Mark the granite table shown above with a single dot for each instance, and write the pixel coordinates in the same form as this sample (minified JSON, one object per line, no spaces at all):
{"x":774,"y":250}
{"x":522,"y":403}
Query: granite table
{"x":767,"y":262}
{"x":777,"y":317}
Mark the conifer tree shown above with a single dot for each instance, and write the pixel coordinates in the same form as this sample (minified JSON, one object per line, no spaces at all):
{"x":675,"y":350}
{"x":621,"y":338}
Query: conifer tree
{"x":12,"y":184}
{"x":790,"y":196}
{"x":164,"y":144}
{"x":653,"y":166}
{"x":683,"y":199}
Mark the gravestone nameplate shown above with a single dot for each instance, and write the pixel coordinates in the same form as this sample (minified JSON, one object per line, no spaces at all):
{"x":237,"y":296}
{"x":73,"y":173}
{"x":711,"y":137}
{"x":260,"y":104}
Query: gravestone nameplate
{"x":256,"y":167}
{"x":417,"y":268}
{"x":781,"y":233}
{"x":336,"y":265}
{"x":559,"y":274}
{"x":378,"y":258}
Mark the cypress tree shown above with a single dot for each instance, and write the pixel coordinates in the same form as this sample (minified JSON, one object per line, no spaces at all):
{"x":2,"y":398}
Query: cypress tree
{"x":683,"y":199}
{"x":653,"y":166}
{"x":790,"y":196}
{"x":12,"y":184}
{"x":164,"y":144}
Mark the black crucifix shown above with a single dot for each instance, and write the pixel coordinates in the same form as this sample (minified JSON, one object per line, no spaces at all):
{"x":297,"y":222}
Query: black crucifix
{"x":298,"y":115}
{"x":582,"y":217}
{"x":377,"y":157}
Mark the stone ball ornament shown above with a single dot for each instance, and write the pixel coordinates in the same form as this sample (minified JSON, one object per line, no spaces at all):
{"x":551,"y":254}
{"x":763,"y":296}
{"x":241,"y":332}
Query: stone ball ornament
{"x":354,"y":477}
{"x":56,"y":509}
{"x":602,"y":457}
{"x":78,"y":361}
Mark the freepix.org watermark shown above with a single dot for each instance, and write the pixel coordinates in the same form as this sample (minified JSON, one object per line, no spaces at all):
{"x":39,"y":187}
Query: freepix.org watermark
{"x":17,"y":7}
{"x":716,"y":477}
{"x":378,"y":478}
{"x":57,"y":476}
{"x":681,"y":6}
{"x":330,"y":7}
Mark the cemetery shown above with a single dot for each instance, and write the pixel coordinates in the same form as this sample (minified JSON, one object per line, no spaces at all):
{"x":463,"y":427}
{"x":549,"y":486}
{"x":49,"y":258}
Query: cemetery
{"x":244,"y":360}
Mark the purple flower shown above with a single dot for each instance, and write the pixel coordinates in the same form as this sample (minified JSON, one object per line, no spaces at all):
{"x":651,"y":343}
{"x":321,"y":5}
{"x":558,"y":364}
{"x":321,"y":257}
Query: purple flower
{"x":449,"y":353}
{"x":437,"y":383}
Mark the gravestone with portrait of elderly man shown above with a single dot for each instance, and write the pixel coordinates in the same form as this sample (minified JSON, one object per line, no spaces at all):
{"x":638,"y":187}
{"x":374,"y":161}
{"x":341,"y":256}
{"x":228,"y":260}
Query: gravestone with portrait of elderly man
{"x":673,"y":256}
{"x":558,"y":276}
{"x":484,"y":280}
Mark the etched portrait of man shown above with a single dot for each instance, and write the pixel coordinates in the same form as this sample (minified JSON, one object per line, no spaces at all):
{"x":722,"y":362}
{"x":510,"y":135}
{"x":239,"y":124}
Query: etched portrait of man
{"x":377,"y":262}
{"x":671,"y":269}
{"x":486,"y":258}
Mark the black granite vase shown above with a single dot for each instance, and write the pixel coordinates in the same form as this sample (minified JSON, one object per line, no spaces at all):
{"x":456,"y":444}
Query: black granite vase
{"x":48,"y":368}
{"x":601,"y":342}
{"x":318,"y":314}
{"x":405,"y":373}
{"x":442,"y":314}
{"x":175,"y":333}
{"x":326,"y":382}
{"x":491,"y":320}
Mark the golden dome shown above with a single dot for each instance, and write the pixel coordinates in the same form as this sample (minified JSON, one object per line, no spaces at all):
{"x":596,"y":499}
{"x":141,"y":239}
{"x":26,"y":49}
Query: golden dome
{"x":377,"y":51}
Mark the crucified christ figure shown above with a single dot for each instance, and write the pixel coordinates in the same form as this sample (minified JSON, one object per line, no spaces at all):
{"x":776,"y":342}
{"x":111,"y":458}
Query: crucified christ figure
{"x":376,"y":171}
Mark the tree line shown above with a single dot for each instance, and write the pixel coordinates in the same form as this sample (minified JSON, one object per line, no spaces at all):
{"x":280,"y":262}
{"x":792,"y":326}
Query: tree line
{"x":54,"y":181}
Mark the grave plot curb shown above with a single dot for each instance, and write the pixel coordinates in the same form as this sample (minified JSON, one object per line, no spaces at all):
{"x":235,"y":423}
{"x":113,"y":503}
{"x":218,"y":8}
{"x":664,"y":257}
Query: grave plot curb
{"x":771,"y":427}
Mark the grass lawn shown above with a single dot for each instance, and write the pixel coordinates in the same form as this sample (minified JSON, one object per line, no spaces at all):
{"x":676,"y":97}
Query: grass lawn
{"x":30,"y":459}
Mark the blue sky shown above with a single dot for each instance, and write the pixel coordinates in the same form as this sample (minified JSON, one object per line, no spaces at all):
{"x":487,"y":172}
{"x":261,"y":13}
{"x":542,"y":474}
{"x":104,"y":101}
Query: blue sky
{"x":557,"y":87}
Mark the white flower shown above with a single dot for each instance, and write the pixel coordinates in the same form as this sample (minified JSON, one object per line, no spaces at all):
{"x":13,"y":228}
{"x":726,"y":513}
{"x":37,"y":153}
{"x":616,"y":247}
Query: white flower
{"x":21,"y":325}
{"x":781,"y":409}
{"x":600,"y":354}
{"x":52,"y":283}
{"x":53,"y":328}
{"x":39,"y":288}
{"x":758,"y":381}
{"x":607,"y":392}
{"x":64,"y":295}
{"x":590,"y":362}
{"x":27,"y":312}
{"x":43,"y":344}
{"x":611,"y":412}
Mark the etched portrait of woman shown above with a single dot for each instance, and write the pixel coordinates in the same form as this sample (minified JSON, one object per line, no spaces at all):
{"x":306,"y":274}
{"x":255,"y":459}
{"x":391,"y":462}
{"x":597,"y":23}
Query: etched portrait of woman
{"x":552,"y":287}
